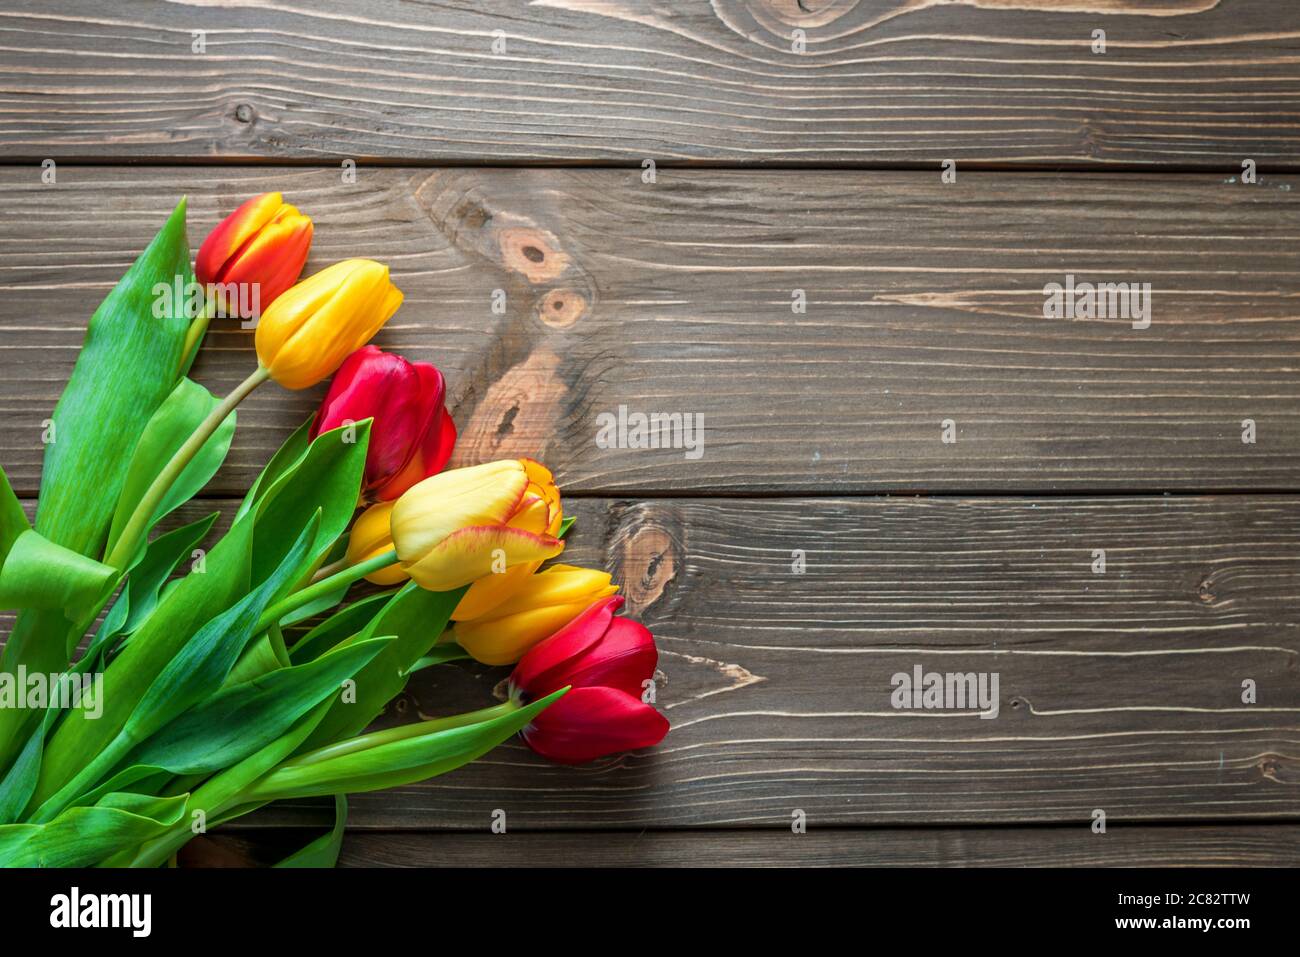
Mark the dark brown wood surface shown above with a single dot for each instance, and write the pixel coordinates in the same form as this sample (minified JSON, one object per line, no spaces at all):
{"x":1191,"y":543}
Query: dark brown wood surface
{"x":924,"y":304}
{"x":1181,"y":82}
{"x":1119,"y":692}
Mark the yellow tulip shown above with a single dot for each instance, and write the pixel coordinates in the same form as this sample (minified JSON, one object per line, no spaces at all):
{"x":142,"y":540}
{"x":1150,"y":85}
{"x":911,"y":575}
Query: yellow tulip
{"x":370,"y":538}
{"x":544,"y":604}
{"x":308,"y":331}
{"x":491,"y":590}
{"x":458,"y":526}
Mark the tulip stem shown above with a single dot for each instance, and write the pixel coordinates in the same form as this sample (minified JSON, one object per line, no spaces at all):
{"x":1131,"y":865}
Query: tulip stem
{"x":324,"y":587}
{"x":198,"y":326}
{"x":137,"y":525}
{"x":325,"y":571}
{"x":192,"y":336}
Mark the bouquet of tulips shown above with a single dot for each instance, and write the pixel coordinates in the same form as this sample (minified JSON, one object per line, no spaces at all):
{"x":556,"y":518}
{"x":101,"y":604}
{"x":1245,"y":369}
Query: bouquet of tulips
{"x":193,"y":701}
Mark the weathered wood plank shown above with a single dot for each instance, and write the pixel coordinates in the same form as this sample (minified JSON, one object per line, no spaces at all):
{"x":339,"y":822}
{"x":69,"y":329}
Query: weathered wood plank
{"x":1119,"y":691}
{"x":924,"y":304}
{"x":1191,"y":82}
{"x":1276,"y":845}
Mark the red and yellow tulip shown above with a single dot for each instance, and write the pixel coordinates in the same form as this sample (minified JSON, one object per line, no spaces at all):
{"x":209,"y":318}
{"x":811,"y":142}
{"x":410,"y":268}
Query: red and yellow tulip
{"x":263,"y":243}
{"x":459,"y":526}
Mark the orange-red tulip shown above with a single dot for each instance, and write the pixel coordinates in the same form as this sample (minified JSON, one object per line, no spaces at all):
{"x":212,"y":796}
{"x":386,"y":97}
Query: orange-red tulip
{"x":264,"y":243}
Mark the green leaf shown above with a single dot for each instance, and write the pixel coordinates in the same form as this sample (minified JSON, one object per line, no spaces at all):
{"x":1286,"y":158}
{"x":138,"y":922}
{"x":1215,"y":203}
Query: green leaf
{"x":182,"y":610}
{"x":137,"y":779}
{"x":393,"y":758}
{"x":442,"y":653}
{"x":242,"y":719}
{"x":206,"y":659}
{"x":264,"y":654}
{"x":140,"y":597}
{"x":218,"y":797}
{"x":285,"y":460}
{"x":325,"y":602}
{"x":38,"y":642}
{"x":324,"y":851}
{"x":13,"y":520}
{"x":316,"y":606}
{"x":417,"y":617}
{"x":565,"y":525}
{"x":20,"y":780}
{"x":127,"y":366}
{"x":171,"y":425}
{"x":161,"y":558}
{"x":37,"y":573}
{"x":327,"y":478}
{"x":196,"y":671}
{"x":343,"y":624}
{"x":82,"y":836}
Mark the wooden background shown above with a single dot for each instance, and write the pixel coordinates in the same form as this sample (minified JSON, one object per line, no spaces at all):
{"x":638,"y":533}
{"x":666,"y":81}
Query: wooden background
{"x":521,"y":170}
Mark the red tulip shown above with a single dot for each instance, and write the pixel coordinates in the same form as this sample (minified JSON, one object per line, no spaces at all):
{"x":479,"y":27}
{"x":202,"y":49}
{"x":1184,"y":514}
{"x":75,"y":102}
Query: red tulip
{"x":263,"y":243}
{"x":606,"y":661}
{"x":412,"y":435}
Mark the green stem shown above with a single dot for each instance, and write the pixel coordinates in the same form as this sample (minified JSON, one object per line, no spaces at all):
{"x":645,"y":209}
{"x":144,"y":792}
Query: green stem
{"x":193,"y":334}
{"x":332,"y":568}
{"x":323,"y":587}
{"x":137,"y":525}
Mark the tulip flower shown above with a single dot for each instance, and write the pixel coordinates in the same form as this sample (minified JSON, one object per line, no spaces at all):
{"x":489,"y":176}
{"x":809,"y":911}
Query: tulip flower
{"x":607,"y":662}
{"x":412,"y":435}
{"x":264,"y":243}
{"x":491,"y":590}
{"x":544,"y":603}
{"x":458,"y":526}
{"x":307,"y":333}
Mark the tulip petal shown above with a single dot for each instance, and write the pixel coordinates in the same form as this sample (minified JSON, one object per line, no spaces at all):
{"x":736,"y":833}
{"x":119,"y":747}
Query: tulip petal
{"x":503,"y":641}
{"x":540,"y":606}
{"x":381,"y":386}
{"x":231,"y":233}
{"x":589,"y":723}
{"x":431,"y":438}
{"x":491,"y":590}
{"x":542,"y":483}
{"x":480,"y":496}
{"x":371,"y":533}
{"x":306,"y":333}
{"x":467,"y":554}
{"x":273,"y":258}
{"x":625,"y":658}
{"x":532,"y":515}
{"x":559,"y":584}
{"x":370,"y":538}
{"x":550,"y":657}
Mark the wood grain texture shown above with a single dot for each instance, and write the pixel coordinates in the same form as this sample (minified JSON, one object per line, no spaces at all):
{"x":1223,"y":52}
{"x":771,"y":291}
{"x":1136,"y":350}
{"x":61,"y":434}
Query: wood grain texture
{"x":1276,"y":845}
{"x":1187,"y":82}
{"x":924,"y":303}
{"x":1119,"y":691}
